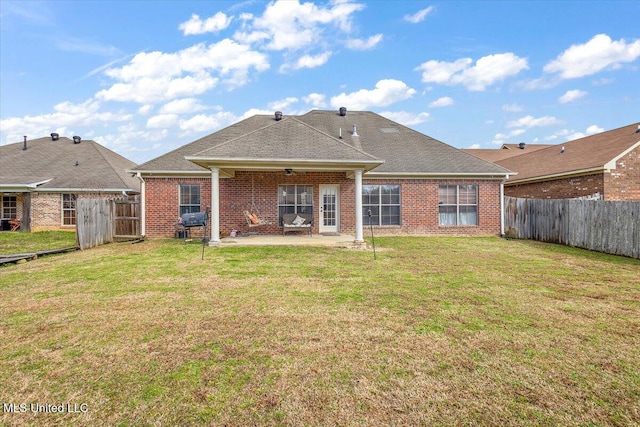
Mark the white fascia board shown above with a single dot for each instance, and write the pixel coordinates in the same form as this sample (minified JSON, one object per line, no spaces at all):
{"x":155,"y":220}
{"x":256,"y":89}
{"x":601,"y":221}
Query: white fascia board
{"x":413,"y":175}
{"x":611,"y":165}
{"x":569,"y":174}
{"x":277,"y":164}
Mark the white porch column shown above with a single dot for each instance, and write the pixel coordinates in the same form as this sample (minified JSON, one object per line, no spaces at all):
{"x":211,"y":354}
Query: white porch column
{"x":358,"y":184}
{"x":215,"y":207}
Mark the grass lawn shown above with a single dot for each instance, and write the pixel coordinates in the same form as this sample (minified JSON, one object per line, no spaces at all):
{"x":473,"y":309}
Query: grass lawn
{"x":436,"y":331}
{"x":13,"y":243}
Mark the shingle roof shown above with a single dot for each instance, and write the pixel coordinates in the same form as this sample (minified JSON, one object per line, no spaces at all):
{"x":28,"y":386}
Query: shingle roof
{"x":403,"y":149}
{"x":504,"y":152}
{"x":316,"y":136}
{"x":584,"y":154}
{"x":287,"y":139}
{"x":53,"y":163}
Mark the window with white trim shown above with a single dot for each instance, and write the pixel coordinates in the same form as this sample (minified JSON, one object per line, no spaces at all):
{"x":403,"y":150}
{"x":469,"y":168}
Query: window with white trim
{"x":68,"y":209}
{"x":458,"y":204}
{"x":189,"y":198}
{"x":294,"y":199}
{"x":9,"y":207}
{"x":384,"y":203}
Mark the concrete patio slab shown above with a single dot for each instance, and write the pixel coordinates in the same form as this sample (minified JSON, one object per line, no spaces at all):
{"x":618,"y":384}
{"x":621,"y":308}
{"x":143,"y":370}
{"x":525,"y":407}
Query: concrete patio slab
{"x":340,"y":241}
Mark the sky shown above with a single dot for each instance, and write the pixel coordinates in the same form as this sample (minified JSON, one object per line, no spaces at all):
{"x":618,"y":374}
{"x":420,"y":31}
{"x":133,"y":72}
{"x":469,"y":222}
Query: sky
{"x":145,"y":77}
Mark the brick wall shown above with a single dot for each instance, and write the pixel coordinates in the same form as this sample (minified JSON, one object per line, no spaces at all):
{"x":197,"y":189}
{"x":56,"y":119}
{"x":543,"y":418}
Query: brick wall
{"x":419,"y":211}
{"x":564,"y":188}
{"x":46,"y":210}
{"x":623,"y":183}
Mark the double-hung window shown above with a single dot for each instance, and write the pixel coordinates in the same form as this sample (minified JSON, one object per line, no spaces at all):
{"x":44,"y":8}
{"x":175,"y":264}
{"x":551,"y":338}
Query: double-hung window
{"x":189,"y":198}
{"x":383,"y":201}
{"x":294,"y":199}
{"x":9,"y":207}
{"x":458,"y":205}
{"x":68,"y":209}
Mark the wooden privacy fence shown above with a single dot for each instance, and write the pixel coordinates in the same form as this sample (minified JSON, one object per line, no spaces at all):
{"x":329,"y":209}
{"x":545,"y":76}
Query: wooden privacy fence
{"x":100,"y":221}
{"x":609,"y":227}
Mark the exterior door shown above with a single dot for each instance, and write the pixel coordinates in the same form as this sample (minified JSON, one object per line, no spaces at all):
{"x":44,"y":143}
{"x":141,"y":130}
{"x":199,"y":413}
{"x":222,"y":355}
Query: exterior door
{"x":329,"y":208}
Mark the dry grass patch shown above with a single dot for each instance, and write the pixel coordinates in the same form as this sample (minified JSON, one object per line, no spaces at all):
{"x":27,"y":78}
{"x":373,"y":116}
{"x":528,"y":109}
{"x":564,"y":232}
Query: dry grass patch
{"x":435,"y":332}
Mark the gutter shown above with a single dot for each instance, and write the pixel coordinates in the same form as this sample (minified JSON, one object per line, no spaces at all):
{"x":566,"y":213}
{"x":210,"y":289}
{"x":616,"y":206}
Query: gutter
{"x":143,"y":204}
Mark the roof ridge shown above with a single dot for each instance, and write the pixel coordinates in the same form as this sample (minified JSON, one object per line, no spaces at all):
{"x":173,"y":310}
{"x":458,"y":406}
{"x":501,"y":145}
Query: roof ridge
{"x":361,"y":151}
{"x":239,"y":136}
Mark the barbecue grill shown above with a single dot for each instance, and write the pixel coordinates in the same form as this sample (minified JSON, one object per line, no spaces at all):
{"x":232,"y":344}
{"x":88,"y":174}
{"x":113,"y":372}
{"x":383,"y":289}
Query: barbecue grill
{"x":190,"y":220}
{"x":194,"y":219}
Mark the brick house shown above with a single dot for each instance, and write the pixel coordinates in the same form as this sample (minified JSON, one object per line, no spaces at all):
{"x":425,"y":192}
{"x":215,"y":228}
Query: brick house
{"x":333,"y":165}
{"x":603,"y":166}
{"x":41,"y":179}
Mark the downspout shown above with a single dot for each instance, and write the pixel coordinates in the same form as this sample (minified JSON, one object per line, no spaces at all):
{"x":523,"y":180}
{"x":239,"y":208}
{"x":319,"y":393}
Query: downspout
{"x":502,"y":208}
{"x":143,"y":205}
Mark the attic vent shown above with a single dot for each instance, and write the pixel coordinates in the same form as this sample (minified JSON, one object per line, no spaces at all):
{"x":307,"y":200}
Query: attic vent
{"x":343,"y":111}
{"x":389,"y":130}
{"x":278,"y":115}
{"x":522,"y":145}
{"x":77,"y":139}
{"x":55,"y":137}
{"x":638,"y":130}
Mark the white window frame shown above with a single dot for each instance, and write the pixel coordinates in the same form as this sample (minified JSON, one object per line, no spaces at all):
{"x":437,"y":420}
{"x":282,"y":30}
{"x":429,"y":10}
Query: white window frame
{"x":377,"y":216}
{"x":459,"y":210}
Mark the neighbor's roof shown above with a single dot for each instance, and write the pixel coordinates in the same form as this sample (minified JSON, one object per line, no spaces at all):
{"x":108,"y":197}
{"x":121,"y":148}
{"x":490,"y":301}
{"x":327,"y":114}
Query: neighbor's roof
{"x":316,"y":135}
{"x":50,"y":165}
{"x":589,"y":154}
{"x":504,"y":152}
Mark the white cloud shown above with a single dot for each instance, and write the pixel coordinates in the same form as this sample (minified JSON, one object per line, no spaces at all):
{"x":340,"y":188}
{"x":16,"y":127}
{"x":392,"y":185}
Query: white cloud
{"x":487,"y":71}
{"x":405,"y":118}
{"x":157,"y":76}
{"x":152,"y":90}
{"x":445,"y":101}
{"x":182,"y":106}
{"x":145,"y":109}
{"x":66,"y":115}
{"x":282,"y":104}
{"x":593,"y":129}
{"x":512,"y":108}
{"x":474,"y":146}
{"x":386,"y":92}
{"x":359,"y":44}
{"x":162,"y":121}
{"x":597,"y":54}
{"x":570,"y":135}
{"x":530,"y":121}
{"x":571,"y":95}
{"x":419,"y":16}
{"x":207,"y":123}
{"x":316,"y":100}
{"x":290,"y":25}
{"x":515,"y":132}
{"x":213,"y":24}
{"x":307,"y":61}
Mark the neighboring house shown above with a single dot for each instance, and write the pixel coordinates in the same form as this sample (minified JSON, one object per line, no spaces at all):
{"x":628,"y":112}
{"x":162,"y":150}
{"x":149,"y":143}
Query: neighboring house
{"x":603,"y":166}
{"x":335,"y":166}
{"x":506,"y":151}
{"x":41,"y":179}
